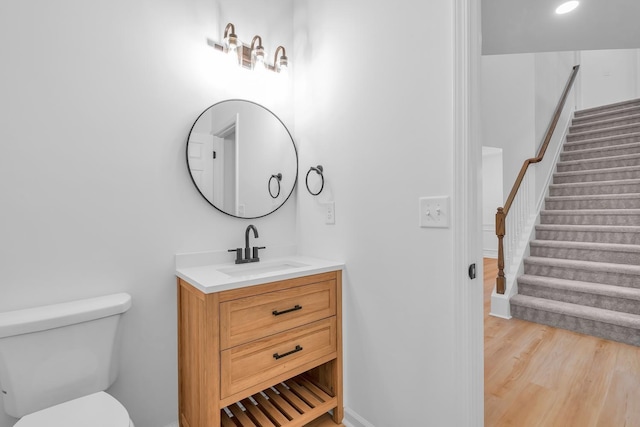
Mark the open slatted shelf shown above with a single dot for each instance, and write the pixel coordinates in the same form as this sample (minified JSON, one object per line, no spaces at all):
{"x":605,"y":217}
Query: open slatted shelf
{"x":292,"y":403}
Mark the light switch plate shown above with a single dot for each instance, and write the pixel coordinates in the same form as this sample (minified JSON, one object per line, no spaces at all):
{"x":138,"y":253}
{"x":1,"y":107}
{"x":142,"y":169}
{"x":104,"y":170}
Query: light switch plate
{"x":434,"y":212}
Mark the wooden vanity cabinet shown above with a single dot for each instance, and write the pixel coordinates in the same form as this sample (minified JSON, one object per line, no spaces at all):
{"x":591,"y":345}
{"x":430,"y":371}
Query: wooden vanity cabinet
{"x":267,"y":355}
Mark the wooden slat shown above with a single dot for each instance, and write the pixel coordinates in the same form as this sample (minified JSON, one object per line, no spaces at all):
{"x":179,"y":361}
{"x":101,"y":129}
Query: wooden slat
{"x":256,"y":414}
{"x":324,"y":421}
{"x":304,"y":394}
{"x":313,"y":388}
{"x":285,"y":407}
{"x":272,"y":411}
{"x":294,"y":400}
{"x":241,"y":416}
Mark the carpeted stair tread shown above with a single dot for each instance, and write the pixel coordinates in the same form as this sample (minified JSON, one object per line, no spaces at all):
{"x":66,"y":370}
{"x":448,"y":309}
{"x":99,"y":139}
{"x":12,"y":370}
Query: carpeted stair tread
{"x":586,"y":265}
{"x":608,"y":107}
{"x":596,"y":163}
{"x":599,"y":133}
{"x":615,"y":136}
{"x":594,"y":201}
{"x":582,"y":287}
{"x":596,"y":197}
{"x":607,"y":174}
{"x":614,"y":247}
{"x":630,"y":110}
{"x":626,"y":320}
{"x":589,"y":233}
{"x":583,"y":153}
{"x":591,"y":216}
{"x":604,"y":123}
{"x":616,"y":186}
{"x":589,"y":228}
{"x":586,"y":251}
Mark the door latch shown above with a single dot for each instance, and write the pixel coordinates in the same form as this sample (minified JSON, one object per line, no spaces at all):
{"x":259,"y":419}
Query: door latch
{"x":472,"y":271}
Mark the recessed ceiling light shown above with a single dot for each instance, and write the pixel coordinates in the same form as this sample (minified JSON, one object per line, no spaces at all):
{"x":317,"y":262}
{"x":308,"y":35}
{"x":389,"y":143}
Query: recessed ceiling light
{"x":567,"y":7}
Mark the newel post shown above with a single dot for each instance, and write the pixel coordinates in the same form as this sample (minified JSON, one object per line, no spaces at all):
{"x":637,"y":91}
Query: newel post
{"x":500,"y":232}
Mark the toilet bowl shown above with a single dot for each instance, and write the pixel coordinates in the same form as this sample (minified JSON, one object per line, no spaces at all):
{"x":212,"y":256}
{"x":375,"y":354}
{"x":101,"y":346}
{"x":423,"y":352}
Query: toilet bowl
{"x":95,"y":410}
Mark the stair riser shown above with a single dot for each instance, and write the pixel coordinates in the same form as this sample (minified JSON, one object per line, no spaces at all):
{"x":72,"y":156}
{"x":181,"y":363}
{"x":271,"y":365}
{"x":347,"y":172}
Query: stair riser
{"x":606,"y":175}
{"x":616,"y":257}
{"x":623,"y":150}
{"x":607,"y":109}
{"x":583,"y":326}
{"x":613,"y":141}
{"x":598,"y":164}
{"x":606,"y":115}
{"x":582,"y":298}
{"x":592,"y":204}
{"x":586,"y":190}
{"x":603,"y":133}
{"x":622,"y":238}
{"x":605,"y":124}
{"x":569,"y":273}
{"x":589,"y":219}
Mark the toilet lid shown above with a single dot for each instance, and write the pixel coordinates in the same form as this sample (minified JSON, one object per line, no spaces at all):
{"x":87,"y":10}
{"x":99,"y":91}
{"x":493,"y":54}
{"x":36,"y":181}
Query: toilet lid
{"x":95,"y":410}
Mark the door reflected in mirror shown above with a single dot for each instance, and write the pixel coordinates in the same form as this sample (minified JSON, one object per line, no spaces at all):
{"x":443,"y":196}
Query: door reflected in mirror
{"x":234,"y":150}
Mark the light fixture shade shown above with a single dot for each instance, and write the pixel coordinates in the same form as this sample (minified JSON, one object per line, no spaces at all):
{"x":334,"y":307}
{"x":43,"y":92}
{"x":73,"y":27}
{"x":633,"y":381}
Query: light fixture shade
{"x":257,"y":54}
{"x":281,"y":62}
{"x":232,"y":45}
{"x":567,"y":7}
{"x":283,"y":67}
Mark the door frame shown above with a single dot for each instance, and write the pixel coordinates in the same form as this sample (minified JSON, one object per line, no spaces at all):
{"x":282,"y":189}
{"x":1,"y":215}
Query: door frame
{"x":467,"y":216}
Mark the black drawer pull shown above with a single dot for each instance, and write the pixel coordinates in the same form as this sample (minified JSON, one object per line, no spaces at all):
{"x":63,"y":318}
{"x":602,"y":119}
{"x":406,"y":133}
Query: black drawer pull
{"x":278,"y":313}
{"x":280,"y":356}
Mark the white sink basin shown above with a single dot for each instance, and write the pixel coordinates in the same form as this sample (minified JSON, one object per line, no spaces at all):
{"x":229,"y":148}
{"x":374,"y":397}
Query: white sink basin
{"x":251,"y":269}
{"x":212,"y":277}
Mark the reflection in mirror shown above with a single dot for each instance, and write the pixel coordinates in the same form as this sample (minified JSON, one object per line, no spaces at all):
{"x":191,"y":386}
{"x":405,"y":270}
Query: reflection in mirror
{"x":242,"y":159}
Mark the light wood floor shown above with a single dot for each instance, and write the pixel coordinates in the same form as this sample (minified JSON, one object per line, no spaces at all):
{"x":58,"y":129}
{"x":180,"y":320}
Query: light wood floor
{"x":536,"y":375}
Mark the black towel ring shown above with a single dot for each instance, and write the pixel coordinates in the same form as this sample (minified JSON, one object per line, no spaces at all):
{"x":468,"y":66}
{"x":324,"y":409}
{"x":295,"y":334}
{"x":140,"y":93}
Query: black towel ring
{"x":278,"y":178}
{"x":319,"y":170}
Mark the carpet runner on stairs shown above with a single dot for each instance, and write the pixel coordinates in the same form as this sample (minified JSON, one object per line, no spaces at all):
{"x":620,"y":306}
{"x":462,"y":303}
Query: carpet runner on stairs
{"x":583,"y":272}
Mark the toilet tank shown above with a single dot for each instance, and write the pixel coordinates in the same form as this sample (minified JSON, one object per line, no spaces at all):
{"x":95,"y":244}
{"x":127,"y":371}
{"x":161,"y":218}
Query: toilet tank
{"x":54,"y":353}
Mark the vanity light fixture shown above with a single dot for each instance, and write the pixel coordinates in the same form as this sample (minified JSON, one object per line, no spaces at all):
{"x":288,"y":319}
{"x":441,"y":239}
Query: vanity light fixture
{"x":253,"y":56}
{"x":567,"y":7}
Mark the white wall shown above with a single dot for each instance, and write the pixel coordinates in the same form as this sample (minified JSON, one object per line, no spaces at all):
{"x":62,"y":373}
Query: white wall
{"x":377,"y":114}
{"x":609,"y":76}
{"x":552,"y":70}
{"x":97,"y":99}
{"x":508,"y":110}
{"x":492,"y":198}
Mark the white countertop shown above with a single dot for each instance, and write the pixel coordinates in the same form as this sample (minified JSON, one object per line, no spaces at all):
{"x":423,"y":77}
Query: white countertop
{"x":210,"y":278}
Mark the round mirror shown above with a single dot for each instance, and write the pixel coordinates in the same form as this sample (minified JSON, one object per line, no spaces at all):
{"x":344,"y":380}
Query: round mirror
{"x":242,"y":159}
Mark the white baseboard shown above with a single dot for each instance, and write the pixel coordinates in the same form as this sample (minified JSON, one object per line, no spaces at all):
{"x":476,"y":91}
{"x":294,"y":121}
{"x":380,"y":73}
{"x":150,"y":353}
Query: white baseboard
{"x":352,"y":419}
{"x":490,"y":253}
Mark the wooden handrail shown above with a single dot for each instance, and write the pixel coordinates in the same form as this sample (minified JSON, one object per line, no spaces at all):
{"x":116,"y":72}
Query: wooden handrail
{"x":501,"y":215}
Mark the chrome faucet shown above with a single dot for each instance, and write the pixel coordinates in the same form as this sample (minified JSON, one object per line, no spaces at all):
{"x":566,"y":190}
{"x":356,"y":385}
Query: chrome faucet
{"x":249,"y":256}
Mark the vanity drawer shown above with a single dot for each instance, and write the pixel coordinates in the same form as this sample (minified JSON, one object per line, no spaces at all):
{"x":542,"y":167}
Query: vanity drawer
{"x":246,"y":319}
{"x":250,"y":364}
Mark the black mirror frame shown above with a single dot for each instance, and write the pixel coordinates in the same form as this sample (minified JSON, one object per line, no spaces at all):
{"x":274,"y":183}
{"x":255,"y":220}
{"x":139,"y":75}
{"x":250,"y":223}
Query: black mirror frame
{"x":295,"y":150}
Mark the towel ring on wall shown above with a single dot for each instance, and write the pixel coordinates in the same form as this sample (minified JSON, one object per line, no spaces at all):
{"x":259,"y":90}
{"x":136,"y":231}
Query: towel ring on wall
{"x":278,"y":178}
{"x":319,"y":170}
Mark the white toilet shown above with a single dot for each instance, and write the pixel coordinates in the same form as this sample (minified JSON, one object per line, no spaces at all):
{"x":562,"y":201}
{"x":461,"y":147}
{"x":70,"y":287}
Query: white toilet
{"x":57,"y":360}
